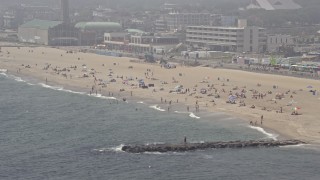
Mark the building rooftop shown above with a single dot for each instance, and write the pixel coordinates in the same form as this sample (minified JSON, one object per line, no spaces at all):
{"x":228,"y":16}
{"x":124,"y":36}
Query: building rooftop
{"x":273,"y":4}
{"x":138,"y":31}
{"x":98,"y":26}
{"x":40,"y":24}
{"x":222,"y":27}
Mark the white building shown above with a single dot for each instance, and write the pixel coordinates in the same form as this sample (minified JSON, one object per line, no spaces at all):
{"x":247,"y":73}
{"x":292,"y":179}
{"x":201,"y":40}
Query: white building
{"x":235,"y":39}
{"x":140,"y":42}
{"x":276,"y":41}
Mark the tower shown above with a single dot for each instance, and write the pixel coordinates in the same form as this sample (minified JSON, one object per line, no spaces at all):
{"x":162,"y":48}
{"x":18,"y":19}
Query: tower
{"x":65,"y":11}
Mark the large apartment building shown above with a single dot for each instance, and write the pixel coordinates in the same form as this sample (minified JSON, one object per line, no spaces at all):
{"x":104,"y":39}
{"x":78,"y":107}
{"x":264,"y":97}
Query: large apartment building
{"x":179,"y":21}
{"x":234,"y":39}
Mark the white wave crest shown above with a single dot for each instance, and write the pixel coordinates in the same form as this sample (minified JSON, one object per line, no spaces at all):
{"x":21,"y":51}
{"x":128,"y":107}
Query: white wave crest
{"x":117,"y":148}
{"x":74,"y":92}
{"x":140,"y":102}
{"x":18,"y":79}
{"x":113,"y":149}
{"x":51,"y":87}
{"x":156,"y":107}
{"x":269,"y":135}
{"x":155,"y":153}
{"x":57,"y":88}
{"x":102,"y":97}
{"x":3,"y":74}
{"x":194,"y":116}
{"x":3,"y":70}
{"x":293,"y":146}
{"x":179,"y":112}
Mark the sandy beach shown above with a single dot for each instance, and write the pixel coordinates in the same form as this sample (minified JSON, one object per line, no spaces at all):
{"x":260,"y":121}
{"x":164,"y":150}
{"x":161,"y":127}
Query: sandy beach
{"x":285,"y":105}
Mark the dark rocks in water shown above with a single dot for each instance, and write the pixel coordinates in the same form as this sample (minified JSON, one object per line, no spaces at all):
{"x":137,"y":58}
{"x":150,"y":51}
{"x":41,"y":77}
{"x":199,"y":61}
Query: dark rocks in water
{"x":207,"y":145}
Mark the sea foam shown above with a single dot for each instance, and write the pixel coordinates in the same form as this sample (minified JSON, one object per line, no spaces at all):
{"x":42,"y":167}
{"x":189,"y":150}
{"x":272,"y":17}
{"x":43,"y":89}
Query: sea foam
{"x":156,"y":107}
{"x":57,"y":88}
{"x":269,"y":135}
{"x":194,"y":116}
{"x":3,"y":70}
{"x":101,"y":96}
{"x":18,"y":79}
{"x":112,"y":149}
{"x":3,"y":74}
{"x":293,"y":146}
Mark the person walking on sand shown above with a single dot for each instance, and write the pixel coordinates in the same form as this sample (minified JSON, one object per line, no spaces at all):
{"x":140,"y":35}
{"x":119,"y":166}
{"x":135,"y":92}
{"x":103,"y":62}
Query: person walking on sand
{"x":261,"y":118}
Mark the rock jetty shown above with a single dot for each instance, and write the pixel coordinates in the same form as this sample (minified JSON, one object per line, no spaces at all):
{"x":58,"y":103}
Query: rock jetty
{"x":207,"y":145}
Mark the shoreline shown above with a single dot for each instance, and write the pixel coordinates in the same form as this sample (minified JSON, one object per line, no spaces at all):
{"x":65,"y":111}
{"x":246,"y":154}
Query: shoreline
{"x":284,"y":125}
{"x":269,"y":133}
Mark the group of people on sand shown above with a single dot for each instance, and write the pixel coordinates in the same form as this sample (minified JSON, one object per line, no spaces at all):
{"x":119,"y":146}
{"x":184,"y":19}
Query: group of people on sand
{"x":226,"y":89}
{"x":256,"y":122}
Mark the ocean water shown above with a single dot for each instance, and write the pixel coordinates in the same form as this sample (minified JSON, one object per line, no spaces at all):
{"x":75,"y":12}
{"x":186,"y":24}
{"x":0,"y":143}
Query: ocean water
{"x":49,"y":132}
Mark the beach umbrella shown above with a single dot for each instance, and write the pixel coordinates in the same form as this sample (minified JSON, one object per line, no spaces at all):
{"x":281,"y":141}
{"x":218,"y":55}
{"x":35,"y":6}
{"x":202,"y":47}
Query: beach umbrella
{"x":296,"y":108}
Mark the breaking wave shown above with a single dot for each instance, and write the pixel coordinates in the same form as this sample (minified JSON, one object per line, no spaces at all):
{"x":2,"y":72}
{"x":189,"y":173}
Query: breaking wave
{"x":194,"y":116}
{"x":269,"y":135}
{"x":156,"y":107}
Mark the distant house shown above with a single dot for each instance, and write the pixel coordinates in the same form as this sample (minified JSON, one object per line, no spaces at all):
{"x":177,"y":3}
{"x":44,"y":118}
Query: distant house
{"x":273,"y":4}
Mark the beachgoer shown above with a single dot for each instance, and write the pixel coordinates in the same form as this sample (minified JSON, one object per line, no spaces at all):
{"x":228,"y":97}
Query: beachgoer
{"x":261,"y":119}
{"x":185,"y":139}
